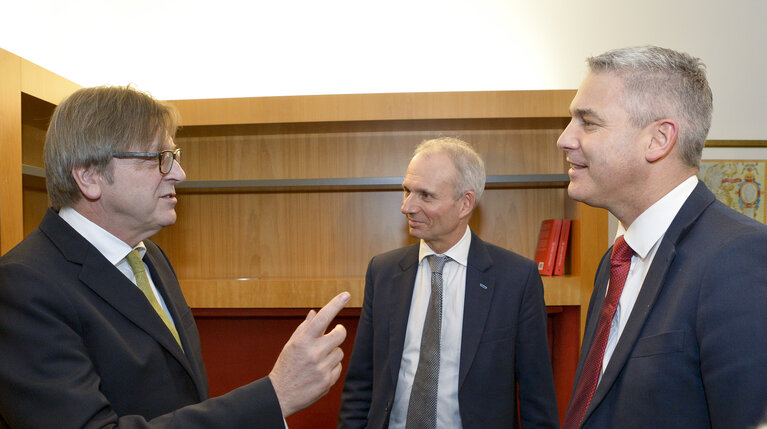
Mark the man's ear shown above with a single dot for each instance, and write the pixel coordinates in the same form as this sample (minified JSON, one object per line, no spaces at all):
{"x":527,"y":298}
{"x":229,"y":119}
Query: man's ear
{"x":664,"y":133}
{"x":89,"y":181}
{"x":468,"y":201}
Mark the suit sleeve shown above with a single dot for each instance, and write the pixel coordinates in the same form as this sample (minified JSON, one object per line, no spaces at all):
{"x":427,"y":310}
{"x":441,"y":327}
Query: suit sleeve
{"x":537,"y":397}
{"x":732,"y":332}
{"x":48,"y":379}
{"x":358,"y":385}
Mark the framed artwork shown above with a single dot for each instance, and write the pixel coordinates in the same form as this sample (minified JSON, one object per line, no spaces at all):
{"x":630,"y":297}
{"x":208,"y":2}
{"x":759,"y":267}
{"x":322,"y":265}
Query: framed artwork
{"x":737,"y":177}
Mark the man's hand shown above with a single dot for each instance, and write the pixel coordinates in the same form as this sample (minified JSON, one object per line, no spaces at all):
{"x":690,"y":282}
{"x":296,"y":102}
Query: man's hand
{"x":310,"y":362}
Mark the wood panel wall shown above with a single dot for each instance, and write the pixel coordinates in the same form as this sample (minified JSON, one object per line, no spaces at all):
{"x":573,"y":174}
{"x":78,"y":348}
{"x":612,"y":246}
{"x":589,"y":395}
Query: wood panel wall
{"x":27,"y":95}
{"x":11,"y":214}
{"x":299,"y":247}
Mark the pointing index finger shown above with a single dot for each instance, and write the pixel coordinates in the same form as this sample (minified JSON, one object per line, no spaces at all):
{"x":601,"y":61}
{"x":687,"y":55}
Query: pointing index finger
{"x":322,"y":319}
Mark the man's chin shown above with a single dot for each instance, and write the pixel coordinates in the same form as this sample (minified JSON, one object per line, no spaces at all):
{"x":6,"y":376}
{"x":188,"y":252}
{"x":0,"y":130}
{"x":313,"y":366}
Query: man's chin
{"x":415,"y":233}
{"x":168,"y":220}
{"x":587,"y":196}
{"x":575,"y":192}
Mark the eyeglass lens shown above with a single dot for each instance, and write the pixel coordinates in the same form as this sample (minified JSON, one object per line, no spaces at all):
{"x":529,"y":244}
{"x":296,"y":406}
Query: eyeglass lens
{"x":166,"y":160}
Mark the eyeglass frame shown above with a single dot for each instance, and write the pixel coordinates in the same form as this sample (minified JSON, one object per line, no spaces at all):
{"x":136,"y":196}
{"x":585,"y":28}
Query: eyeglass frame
{"x":175,"y":156}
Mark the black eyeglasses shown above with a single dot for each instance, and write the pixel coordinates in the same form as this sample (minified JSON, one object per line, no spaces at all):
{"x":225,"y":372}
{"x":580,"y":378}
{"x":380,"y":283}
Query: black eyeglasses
{"x":165,"y":158}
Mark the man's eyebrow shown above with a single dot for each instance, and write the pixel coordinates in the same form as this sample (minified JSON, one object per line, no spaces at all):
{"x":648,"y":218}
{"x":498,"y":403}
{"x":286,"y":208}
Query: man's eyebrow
{"x":585,"y":112}
{"x":416,"y":190}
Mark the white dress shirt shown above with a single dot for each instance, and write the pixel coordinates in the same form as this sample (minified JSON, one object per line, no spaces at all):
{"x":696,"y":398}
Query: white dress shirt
{"x":453,"y":291}
{"x":114,"y":249}
{"x":644,"y":237}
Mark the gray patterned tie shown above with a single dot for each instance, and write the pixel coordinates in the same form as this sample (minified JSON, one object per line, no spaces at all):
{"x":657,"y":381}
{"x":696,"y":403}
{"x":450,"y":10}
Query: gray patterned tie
{"x":422,"y":410}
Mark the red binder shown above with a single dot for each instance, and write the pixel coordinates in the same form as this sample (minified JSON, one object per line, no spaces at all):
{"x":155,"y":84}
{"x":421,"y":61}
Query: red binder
{"x":548,"y":239}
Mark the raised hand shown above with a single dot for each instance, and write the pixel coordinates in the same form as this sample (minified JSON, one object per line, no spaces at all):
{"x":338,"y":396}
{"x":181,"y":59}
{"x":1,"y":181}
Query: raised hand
{"x":310,"y":362}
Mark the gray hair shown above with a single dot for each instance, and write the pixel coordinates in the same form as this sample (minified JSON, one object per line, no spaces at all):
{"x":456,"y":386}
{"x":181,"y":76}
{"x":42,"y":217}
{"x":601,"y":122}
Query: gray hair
{"x":92,"y":124}
{"x":662,"y":83}
{"x":471,"y":168}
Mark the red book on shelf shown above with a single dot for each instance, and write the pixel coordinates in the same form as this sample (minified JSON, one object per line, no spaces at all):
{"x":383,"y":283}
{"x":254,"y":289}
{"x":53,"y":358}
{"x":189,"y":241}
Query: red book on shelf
{"x":546,"y":252}
{"x":564,"y":238}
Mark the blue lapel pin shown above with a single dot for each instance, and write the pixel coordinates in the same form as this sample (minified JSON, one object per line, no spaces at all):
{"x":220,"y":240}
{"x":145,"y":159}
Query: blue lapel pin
{"x":483,"y":286}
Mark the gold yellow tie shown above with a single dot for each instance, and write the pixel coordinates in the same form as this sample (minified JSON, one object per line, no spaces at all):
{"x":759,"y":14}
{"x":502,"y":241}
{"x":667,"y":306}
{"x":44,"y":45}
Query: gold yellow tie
{"x":142,"y":281}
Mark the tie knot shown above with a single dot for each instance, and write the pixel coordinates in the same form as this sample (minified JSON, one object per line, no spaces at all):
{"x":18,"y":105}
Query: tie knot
{"x":622,"y":252}
{"x":135,"y":262}
{"x":436,"y":263}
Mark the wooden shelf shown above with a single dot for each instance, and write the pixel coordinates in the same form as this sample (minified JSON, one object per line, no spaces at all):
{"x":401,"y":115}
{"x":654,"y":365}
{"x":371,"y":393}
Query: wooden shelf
{"x":314,"y":293}
{"x":376,"y":107}
{"x":736,"y":143}
{"x":363,"y":183}
{"x":30,"y":170}
{"x":508,"y":181}
{"x":306,"y":190}
{"x":562,"y":290}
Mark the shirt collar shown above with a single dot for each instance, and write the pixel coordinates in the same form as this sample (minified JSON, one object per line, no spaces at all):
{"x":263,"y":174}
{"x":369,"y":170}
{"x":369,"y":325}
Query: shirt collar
{"x":459,"y":252}
{"x":652,"y":224}
{"x":110,"y":246}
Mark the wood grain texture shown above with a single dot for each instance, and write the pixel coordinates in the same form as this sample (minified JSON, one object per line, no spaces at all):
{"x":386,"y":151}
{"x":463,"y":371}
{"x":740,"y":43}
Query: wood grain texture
{"x":285,"y":248}
{"x":736,"y":143}
{"x":270,"y":293}
{"x":35,"y":203}
{"x":28,"y":93}
{"x":314,"y":293}
{"x":44,"y":84}
{"x":508,"y":147}
{"x":11,"y":211}
{"x":261,"y":237}
{"x":589,"y":237}
{"x":378,"y":107}
{"x":35,"y":117}
{"x":282,"y":247}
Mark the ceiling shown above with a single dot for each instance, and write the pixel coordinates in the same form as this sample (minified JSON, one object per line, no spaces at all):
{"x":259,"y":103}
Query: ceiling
{"x":180,"y":49}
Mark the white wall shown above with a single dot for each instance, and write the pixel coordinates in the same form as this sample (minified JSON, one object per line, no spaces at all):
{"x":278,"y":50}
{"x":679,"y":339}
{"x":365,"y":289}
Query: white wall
{"x":227,"y":48}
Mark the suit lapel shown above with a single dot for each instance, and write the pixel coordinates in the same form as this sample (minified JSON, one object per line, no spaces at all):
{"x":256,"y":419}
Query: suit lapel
{"x":480,"y":286}
{"x":700,"y":198}
{"x":166,"y":281}
{"x":109,"y":283}
{"x":400,"y":292}
{"x":103,"y":278}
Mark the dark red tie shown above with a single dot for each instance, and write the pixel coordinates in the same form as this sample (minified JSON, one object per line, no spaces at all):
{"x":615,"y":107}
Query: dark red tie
{"x":620,"y":262}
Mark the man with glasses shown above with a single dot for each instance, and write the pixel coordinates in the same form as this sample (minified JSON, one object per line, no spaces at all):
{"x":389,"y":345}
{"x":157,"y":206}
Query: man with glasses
{"x":94,"y":329}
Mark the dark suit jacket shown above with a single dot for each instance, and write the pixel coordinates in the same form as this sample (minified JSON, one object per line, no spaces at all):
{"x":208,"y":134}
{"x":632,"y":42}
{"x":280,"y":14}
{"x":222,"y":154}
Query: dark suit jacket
{"x":694,"y":350}
{"x":81,"y":347}
{"x":504,"y":342}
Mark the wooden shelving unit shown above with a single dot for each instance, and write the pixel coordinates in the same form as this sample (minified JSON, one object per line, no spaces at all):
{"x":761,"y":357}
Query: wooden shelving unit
{"x":28,"y":94}
{"x":287,"y":199}
{"x":307,"y":189}
{"x":280,"y":214}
